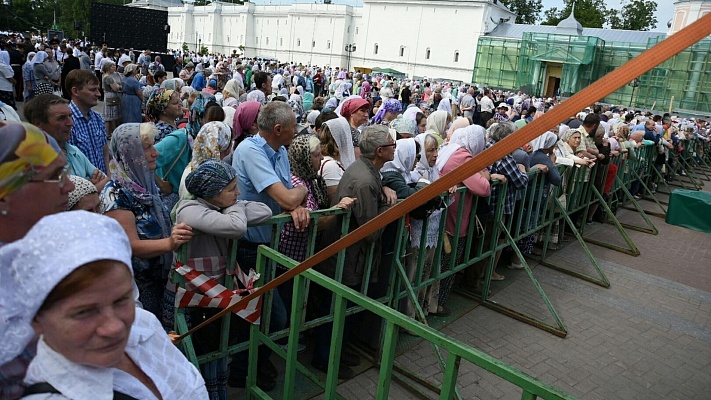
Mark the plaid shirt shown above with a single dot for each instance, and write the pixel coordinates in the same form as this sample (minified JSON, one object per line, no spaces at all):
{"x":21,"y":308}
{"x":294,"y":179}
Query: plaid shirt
{"x":517,"y":180}
{"x":89,"y":135}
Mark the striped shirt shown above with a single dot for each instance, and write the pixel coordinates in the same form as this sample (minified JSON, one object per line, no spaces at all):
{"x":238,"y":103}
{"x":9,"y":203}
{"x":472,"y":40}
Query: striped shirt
{"x":89,"y":135}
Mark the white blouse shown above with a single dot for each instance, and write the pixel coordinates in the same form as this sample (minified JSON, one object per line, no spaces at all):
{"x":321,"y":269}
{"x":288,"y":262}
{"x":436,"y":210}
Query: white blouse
{"x":148,"y":346}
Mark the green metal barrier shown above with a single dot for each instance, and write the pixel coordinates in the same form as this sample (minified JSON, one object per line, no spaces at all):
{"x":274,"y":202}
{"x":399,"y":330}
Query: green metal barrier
{"x":531,"y":387}
{"x":620,"y":195}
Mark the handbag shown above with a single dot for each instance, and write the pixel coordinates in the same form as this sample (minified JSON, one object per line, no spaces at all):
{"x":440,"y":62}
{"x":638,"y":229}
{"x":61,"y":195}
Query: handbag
{"x":113,"y":101}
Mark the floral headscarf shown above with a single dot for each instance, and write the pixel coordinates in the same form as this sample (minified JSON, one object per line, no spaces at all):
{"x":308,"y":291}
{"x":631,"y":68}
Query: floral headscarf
{"x":173,"y":84}
{"x":392,"y":106}
{"x":158,"y":102}
{"x":256,"y":95}
{"x":300,"y":161}
{"x":404,"y":125}
{"x":210,"y":178}
{"x":129,"y":170}
{"x":213,"y":138}
{"x":25,"y":149}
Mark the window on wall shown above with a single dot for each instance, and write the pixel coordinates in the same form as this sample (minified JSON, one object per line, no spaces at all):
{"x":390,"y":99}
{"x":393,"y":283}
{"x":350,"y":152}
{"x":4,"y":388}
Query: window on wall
{"x":313,"y":44}
{"x":267,"y":41}
{"x":281,"y":41}
{"x":256,"y":40}
{"x":402,"y":51}
{"x":356,"y":30}
{"x":375,"y":49}
{"x":328,"y":44}
{"x":456,"y":56}
{"x":298,"y":42}
{"x":427,"y":54}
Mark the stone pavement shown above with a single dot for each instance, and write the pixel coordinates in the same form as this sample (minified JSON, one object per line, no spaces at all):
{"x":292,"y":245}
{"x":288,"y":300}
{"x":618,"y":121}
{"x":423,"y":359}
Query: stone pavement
{"x":647,"y":336}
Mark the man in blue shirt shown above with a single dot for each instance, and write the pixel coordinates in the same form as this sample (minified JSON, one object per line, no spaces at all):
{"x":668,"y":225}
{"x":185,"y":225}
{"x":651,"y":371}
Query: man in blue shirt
{"x":89,"y":130}
{"x":264,"y":175}
{"x":52,"y":114}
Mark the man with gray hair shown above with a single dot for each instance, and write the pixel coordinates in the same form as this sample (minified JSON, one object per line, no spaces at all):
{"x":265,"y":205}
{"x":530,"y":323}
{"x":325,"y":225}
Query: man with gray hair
{"x":264,"y":175}
{"x":361,"y":181}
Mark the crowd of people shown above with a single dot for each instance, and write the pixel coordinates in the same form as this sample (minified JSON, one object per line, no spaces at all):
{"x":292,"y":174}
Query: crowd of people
{"x":218,"y":145}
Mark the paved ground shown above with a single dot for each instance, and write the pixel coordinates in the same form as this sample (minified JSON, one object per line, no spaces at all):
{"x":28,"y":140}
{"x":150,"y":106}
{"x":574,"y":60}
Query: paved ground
{"x":647,"y":336}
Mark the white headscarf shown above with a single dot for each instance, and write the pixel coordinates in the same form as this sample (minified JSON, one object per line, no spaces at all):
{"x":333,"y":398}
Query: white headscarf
{"x":445,"y":105}
{"x":471,"y":137}
{"x":40,"y":57}
{"x":423,"y":166}
{"x":545,"y":141}
{"x":54,"y":248}
{"x":341,"y":131}
{"x":403,"y":161}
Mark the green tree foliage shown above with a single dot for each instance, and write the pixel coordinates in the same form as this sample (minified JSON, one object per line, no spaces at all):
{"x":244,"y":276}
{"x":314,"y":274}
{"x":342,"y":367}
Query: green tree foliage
{"x":38,"y":15}
{"x":590,"y":13}
{"x":527,"y":11}
{"x":636,"y":15}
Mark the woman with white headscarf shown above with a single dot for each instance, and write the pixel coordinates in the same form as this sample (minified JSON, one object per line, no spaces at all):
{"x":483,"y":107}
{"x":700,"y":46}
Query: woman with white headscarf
{"x":28,"y":76}
{"x":45,"y":73}
{"x":337,"y":150}
{"x":426,"y":168}
{"x":95,"y":342}
{"x":464,"y":144}
{"x":437,"y":125}
{"x":445,"y":105}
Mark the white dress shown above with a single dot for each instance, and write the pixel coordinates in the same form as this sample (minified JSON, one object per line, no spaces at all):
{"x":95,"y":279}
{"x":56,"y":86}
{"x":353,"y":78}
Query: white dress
{"x":148,"y":346}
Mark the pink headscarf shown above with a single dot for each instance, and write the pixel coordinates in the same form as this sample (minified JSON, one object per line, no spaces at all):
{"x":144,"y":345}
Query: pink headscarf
{"x":351,"y":106}
{"x":245,"y":117}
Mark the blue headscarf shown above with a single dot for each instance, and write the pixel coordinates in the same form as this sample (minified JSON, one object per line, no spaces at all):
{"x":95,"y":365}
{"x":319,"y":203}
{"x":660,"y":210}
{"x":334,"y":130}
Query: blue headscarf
{"x":210,"y":178}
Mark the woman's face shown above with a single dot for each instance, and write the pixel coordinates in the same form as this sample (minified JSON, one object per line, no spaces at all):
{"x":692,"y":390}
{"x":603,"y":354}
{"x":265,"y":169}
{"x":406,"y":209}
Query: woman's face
{"x":91,"y":327}
{"x":432,"y":152}
{"x":316,"y":158}
{"x":90,"y":202}
{"x":151,"y":154}
{"x":422,"y":126}
{"x":574,"y":140}
{"x":227,"y":197}
{"x":360,"y":116}
{"x":175,"y":107}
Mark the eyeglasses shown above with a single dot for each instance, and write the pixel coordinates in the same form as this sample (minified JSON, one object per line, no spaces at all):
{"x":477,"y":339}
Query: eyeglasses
{"x":61,"y":179}
{"x":389,"y":145}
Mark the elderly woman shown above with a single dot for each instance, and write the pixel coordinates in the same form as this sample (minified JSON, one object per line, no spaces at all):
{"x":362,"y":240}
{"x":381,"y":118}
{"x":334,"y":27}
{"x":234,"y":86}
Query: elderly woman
{"x":28,"y":77}
{"x":221,"y":218}
{"x":387,"y":112}
{"x":245,"y":121}
{"x":565,"y":149}
{"x":84,"y":196}
{"x":512,"y":172}
{"x":211,"y":143}
{"x":355,"y":111}
{"x":111,"y":83}
{"x":425,"y":168}
{"x":132,"y":99}
{"x":164,"y":107}
{"x":305,"y":159}
{"x":464,"y":144}
{"x":133,"y":199}
{"x":94,"y":342}
{"x":437,"y":124}
{"x":337,"y":150}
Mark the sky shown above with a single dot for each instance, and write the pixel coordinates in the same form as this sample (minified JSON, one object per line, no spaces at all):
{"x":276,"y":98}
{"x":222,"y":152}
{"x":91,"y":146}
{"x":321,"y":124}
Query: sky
{"x":665,"y":8}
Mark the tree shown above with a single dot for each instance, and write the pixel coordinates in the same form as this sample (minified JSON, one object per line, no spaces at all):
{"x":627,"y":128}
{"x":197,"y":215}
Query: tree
{"x":527,"y":11}
{"x":590,"y":13}
{"x":636,"y":15}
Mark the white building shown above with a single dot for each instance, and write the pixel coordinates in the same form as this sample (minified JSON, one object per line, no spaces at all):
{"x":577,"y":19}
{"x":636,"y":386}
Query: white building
{"x":436,"y":38}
